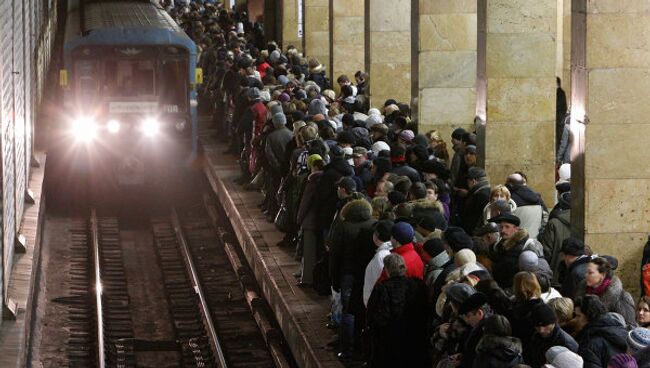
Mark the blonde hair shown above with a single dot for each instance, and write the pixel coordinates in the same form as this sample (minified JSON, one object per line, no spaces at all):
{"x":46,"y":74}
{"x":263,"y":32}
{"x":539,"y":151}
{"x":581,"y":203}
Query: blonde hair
{"x":433,"y":135}
{"x":563,"y":308}
{"x":526,"y":286}
{"x":500,"y":189}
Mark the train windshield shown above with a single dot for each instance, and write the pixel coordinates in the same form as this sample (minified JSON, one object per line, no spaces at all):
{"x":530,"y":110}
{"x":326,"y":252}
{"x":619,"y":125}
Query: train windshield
{"x":173,"y":85}
{"x":129,"y":78}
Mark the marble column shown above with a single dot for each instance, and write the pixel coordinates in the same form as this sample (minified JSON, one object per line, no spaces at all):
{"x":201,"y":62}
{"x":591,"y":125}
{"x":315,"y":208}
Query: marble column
{"x":290,"y":26}
{"x":520,"y":69}
{"x":611,"y":74}
{"x":347,"y":39}
{"x":389,"y":51}
{"x":566,"y":49}
{"x":447,"y":65}
{"x":317,"y":30}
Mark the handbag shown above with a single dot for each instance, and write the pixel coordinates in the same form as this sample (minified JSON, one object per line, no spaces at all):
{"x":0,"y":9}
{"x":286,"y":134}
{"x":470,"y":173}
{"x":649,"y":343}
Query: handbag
{"x":282,"y":219}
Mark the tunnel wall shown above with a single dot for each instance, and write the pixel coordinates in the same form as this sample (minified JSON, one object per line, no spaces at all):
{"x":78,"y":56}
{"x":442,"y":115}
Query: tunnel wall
{"x":27,"y":30}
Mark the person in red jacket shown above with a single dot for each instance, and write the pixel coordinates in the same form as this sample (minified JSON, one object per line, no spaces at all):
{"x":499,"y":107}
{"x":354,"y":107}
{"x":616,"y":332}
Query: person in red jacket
{"x":402,"y":235}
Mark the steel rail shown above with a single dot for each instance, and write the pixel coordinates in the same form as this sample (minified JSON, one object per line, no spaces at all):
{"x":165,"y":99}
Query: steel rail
{"x":97,"y":283}
{"x":194,"y":276}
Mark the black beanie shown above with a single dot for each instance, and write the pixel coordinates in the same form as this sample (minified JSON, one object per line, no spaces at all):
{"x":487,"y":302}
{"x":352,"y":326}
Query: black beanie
{"x":433,"y":247}
{"x":458,"y":239}
{"x":542,"y":315}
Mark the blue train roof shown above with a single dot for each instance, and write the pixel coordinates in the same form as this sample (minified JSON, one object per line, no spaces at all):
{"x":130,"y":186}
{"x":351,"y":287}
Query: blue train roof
{"x":132,"y":23}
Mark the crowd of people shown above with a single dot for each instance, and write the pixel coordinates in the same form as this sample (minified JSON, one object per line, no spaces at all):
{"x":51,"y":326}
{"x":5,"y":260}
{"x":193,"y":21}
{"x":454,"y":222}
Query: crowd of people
{"x":429,"y":262}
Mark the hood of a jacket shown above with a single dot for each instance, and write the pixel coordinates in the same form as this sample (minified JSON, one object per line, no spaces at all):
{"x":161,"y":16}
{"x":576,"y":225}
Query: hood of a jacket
{"x":504,"y":348}
{"x":607,"y":328}
{"x":524,"y":196}
{"x":357,"y":210}
{"x":342,"y":166}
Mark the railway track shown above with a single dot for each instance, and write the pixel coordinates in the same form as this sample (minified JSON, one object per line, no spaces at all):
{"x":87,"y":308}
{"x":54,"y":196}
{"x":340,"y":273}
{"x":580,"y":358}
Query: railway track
{"x":217,"y":316}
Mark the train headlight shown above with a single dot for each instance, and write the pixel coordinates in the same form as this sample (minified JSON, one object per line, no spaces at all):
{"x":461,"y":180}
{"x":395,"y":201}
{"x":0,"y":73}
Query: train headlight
{"x":150,"y":127}
{"x":113,"y":126}
{"x":84,"y":129}
{"x":180,"y":126}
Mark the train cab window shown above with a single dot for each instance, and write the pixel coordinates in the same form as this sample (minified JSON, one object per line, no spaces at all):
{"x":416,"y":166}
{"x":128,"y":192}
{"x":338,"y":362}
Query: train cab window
{"x":86,"y":80}
{"x":129,"y":78}
{"x":173,"y":88}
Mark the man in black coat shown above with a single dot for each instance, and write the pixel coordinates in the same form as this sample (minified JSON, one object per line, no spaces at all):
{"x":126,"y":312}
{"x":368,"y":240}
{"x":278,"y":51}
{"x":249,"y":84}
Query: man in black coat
{"x":474,"y":311}
{"x":602,"y":336}
{"x":575,"y":261}
{"x":547,"y":334}
{"x":477,"y":198}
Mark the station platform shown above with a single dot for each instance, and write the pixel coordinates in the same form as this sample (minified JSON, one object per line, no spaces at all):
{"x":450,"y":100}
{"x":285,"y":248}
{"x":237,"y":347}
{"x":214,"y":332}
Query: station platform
{"x":15,"y":331}
{"x":301,"y":312}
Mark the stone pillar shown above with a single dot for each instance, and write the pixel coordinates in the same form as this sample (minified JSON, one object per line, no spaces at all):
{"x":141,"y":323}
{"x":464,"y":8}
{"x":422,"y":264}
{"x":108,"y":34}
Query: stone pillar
{"x":317,"y":30}
{"x":610,"y":176}
{"x":566,"y":49}
{"x":447,"y":70}
{"x":347,"y":40}
{"x":389,"y":51}
{"x":520,"y":70}
{"x":290,"y":22}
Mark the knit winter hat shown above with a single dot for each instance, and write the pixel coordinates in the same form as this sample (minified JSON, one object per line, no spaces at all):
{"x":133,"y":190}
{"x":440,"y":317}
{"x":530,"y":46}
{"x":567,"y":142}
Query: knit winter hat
{"x":464,"y":256}
{"x":458,"y":239}
{"x":638,"y":339}
{"x":279,"y":120}
{"x":396,"y":197}
{"x":403,"y":232}
{"x":542,"y":315}
{"x":380,"y":146}
{"x":623,"y":361}
{"x":528,"y":261}
{"x":373,"y":120}
{"x":561,"y":357}
{"x":434,"y":247}
{"x":313,"y":158}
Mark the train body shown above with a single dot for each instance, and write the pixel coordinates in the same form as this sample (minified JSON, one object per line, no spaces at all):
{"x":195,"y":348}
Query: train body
{"x":129,"y":82}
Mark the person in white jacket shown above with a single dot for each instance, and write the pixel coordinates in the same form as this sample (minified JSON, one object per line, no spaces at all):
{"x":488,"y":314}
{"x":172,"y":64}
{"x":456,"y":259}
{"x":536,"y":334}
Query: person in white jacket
{"x":381,"y":237}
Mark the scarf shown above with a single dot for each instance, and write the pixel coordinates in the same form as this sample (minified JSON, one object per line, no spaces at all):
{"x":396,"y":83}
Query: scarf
{"x":600,"y":289}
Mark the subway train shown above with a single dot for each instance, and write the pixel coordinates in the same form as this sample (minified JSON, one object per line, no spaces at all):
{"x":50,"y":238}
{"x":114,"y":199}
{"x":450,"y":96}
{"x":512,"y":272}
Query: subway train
{"x":129,"y":81}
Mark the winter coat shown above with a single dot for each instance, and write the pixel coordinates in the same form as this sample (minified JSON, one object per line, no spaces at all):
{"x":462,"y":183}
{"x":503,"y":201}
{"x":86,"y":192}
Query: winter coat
{"x":351,"y":246}
{"x":531,"y":209}
{"x":615,"y":299}
{"x":327,"y":196}
{"x":520,"y":319}
{"x":320,"y":79}
{"x":600,"y":340}
{"x":434,"y":268}
{"x":406,"y":170}
{"x":498,"y":352}
{"x":505,"y":258}
{"x":556,"y":231}
{"x":306,"y":217}
{"x":276,"y":142}
{"x":477,"y":198}
{"x":535,"y":354}
{"x":440,"y":281}
{"x":413,"y":262}
{"x":364,"y":175}
{"x":397,"y":315}
{"x":374,"y":269}
{"x":573,"y":276}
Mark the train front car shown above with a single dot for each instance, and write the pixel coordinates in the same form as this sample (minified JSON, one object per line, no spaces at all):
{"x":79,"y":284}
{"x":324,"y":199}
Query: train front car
{"x":129,"y":91}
